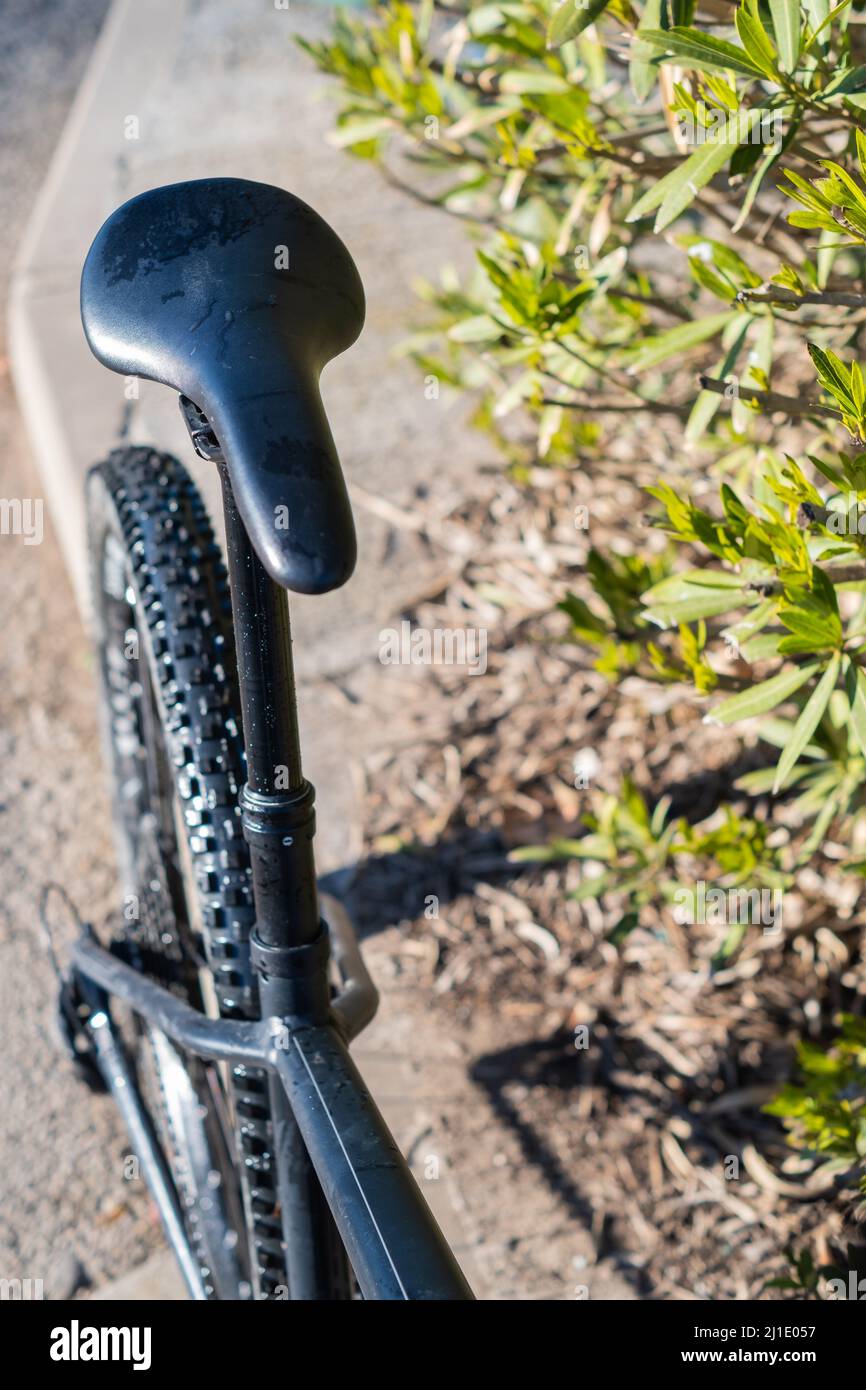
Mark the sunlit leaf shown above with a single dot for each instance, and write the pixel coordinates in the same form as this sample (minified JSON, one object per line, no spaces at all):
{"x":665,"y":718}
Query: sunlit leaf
{"x":855,"y":682}
{"x":703,"y":51}
{"x":673,"y":194}
{"x":809,"y":719}
{"x":758,"y":699}
{"x":786,"y":26}
{"x":571,"y":19}
{"x":676,"y":340}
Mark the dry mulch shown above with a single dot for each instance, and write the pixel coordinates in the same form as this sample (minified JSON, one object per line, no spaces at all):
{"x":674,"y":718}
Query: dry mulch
{"x":654,"y":1132}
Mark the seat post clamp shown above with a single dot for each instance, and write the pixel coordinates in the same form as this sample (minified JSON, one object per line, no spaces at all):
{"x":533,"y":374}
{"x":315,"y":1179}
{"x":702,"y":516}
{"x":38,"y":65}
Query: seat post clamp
{"x":293,"y":980}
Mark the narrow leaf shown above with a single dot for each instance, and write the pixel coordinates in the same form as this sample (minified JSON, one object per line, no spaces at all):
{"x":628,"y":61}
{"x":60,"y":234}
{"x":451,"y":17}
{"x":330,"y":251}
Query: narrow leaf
{"x":855,"y":682}
{"x":809,"y":720}
{"x":703,"y":51}
{"x":758,"y":699}
{"x":524,"y":81}
{"x":763,"y":167}
{"x":850,"y":80}
{"x":707,"y":403}
{"x":571,"y":19}
{"x":641,"y":72}
{"x":754,"y":39}
{"x":676,"y":190}
{"x":680,"y":339}
{"x":821,"y":15}
{"x":786,"y":26}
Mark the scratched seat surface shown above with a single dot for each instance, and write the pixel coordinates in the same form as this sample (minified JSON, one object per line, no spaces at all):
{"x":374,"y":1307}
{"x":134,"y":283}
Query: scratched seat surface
{"x":236,"y":294}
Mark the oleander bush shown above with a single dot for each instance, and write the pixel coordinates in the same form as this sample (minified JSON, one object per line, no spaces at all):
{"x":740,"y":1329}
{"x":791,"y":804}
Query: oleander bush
{"x":668,"y":201}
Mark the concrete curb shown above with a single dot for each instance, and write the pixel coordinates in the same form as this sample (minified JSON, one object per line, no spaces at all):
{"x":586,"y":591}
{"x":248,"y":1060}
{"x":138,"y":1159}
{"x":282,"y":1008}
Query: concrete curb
{"x":48,"y":366}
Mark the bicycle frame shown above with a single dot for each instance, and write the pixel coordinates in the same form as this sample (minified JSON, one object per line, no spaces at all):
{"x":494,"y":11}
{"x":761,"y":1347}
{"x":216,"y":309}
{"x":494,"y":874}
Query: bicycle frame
{"x":338,"y":1168}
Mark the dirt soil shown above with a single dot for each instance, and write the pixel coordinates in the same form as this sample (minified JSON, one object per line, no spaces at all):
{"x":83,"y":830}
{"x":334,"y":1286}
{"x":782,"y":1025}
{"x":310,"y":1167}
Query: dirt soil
{"x":652,"y":1137}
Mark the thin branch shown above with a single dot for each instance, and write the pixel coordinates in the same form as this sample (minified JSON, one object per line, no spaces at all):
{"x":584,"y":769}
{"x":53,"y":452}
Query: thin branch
{"x":781,"y":243}
{"x":484,"y":80}
{"x":606,"y":372}
{"x":597,"y":407}
{"x":844,"y":572}
{"x":482,"y":219}
{"x":777,"y":294}
{"x":667,"y":306}
{"x":851,"y":572}
{"x":770,"y":400}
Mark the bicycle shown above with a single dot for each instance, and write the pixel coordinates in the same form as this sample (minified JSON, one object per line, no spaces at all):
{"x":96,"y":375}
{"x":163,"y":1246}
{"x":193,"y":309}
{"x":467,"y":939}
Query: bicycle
{"x":273,"y":1171}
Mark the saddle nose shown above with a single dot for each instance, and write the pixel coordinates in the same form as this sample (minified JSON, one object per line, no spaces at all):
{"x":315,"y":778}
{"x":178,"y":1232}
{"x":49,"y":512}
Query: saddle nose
{"x":237,"y":294}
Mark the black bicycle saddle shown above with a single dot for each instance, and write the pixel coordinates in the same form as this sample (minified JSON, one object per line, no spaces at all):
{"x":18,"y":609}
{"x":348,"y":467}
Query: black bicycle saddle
{"x":237,"y":294}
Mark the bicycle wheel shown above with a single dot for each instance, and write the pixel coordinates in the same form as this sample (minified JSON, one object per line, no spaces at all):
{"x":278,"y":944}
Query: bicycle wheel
{"x":173,"y":738}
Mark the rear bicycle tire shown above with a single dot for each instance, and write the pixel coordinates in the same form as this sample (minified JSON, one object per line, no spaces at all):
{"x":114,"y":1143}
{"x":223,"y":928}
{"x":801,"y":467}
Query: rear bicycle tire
{"x":174,"y":745}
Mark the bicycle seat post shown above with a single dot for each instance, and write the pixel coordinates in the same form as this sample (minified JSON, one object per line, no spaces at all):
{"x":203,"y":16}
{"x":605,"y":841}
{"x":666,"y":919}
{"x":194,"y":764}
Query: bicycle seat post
{"x":290,"y":944}
{"x":264,"y":652}
{"x":276,"y":802}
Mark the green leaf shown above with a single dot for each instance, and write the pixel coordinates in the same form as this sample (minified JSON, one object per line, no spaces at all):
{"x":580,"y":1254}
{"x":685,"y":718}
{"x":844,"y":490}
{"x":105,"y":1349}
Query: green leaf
{"x":777,"y":731}
{"x":583,"y":620}
{"x":760,"y":361}
{"x":767,"y":160}
{"x":478,"y":329}
{"x":849,"y":81}
{"x":641,"y":72}
{"x":684,"y":598}
{"x":809,"y":720}
{"x":707,"y":403}
{"x":855,"y":682}
{"x":829,"y":472}
{"x":571,"y":19}
{"x":703,"y":51}
{"x":587,"y":848}
{"x":701,"y":603}
{"x":680,"y":339}
{"x":758,"y":699}
{"x":834,"y":376}
{"x":786,"y":26}
{"x":488,"y":19}
{"x":519,"y":81}
{"x":673,"y":194}
{"x":754,"y":39}
{"x":821,"y":16}
{"x":761,"y":648}
{"x":760,"y":782}
{"x":355,"y":133}
{"x":623,"y":929}
{"x":676,"y":584}
{"x":811,"y":616}
{"x":591,"y":887}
